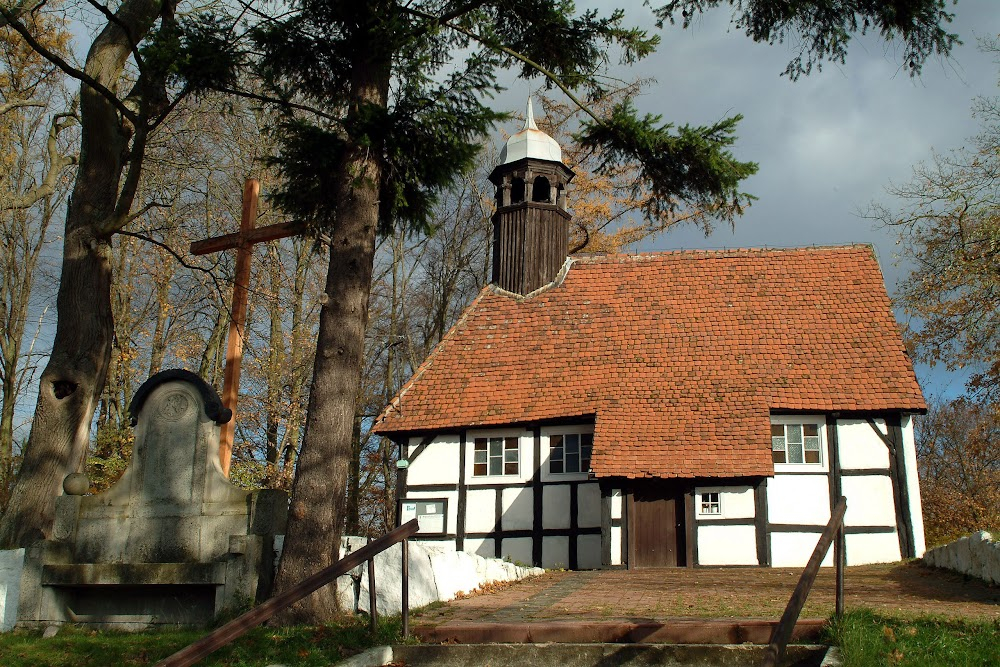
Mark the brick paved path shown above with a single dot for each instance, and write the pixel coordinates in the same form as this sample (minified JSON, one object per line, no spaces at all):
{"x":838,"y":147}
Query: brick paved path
{"x":662,"y":594}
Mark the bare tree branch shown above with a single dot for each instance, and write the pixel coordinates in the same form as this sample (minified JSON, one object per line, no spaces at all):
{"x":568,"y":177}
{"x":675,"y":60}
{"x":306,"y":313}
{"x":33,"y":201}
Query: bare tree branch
{"x":17,"y":104}
{"x":58,"y":61}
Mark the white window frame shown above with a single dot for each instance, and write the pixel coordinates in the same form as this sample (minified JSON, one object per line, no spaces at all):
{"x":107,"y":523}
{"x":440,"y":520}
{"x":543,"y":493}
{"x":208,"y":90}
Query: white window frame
{"x":819,"y":421}
{"x":706,"y":501}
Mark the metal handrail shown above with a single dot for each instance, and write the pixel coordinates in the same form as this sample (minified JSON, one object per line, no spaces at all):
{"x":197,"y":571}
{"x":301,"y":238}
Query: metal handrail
{"x":235,"y":628}
{"x":783,"y":631}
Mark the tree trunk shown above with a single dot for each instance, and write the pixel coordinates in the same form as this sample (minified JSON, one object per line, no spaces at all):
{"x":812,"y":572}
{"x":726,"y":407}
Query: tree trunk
{"x":71,"y":383}
{"x":316,"y":516}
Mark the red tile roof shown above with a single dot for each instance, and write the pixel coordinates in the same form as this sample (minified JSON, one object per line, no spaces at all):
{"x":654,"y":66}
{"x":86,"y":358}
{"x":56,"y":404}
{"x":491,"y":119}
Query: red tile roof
{"x":681,"y":356}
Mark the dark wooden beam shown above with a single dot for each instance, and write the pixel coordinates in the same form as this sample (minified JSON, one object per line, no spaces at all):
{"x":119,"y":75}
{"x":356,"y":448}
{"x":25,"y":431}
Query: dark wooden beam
{"x":250,"y":237}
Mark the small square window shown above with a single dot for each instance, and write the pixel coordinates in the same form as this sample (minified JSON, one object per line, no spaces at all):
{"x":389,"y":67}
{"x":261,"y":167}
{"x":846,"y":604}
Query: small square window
{"x":710,"y":503}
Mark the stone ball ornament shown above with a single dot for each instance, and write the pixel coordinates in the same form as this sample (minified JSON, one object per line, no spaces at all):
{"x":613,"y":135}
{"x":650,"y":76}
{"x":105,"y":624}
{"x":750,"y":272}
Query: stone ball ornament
{"x":76,"y":484}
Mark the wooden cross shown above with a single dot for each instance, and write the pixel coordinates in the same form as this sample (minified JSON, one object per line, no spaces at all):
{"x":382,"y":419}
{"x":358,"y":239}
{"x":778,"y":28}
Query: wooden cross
{"x":243,"y":241}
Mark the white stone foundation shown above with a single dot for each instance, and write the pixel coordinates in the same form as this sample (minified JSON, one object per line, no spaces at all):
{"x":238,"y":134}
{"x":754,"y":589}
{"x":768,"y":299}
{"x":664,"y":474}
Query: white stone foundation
{"x":977,"y":555}
{"x":436,"y":574}
{"x":11,"y":565}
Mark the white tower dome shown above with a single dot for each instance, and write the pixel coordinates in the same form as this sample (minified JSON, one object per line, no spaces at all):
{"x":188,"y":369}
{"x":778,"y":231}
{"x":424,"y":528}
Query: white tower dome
{"x":530,"y":142}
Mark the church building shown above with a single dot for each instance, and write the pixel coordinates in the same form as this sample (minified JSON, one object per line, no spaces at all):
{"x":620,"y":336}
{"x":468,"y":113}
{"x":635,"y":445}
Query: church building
{"x":664,"y":409}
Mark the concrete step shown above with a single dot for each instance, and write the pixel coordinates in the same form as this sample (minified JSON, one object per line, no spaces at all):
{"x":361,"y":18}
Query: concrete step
{"x":589,"y":655}
{"x":671,"y":631}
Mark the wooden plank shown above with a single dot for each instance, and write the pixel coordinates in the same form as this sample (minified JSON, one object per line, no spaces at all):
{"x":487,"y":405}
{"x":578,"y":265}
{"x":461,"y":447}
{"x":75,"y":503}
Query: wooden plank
{"x":237,"y":627}
{"x":783,"y":631}
{"x":258,"y":235}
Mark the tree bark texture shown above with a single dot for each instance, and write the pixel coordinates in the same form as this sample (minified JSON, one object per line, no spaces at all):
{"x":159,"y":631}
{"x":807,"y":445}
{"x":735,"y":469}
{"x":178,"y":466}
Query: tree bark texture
{"x":318,"y":504}
{"x":71,"y":383}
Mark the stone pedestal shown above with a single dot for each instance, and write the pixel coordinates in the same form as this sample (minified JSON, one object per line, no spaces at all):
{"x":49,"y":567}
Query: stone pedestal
{"x":172,"y":542}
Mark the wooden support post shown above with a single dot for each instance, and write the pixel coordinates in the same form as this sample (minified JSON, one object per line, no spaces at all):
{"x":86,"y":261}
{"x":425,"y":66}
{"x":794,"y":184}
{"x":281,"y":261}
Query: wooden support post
{"x":840,"y":553}
{"x":405,"y":593}
{"x":372,"y":598}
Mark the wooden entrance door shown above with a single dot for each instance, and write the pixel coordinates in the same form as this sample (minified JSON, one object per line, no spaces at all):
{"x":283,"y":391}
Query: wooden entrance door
{"x":656,"y":525}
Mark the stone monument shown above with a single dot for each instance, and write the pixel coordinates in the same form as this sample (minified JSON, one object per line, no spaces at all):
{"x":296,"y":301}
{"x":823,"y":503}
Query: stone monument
{"x":173,"y":542}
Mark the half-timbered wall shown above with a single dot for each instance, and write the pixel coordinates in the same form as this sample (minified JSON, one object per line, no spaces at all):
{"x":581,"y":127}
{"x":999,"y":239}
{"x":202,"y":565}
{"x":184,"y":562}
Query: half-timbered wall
{"x":530,"y":515}
{"x":565,"y":519}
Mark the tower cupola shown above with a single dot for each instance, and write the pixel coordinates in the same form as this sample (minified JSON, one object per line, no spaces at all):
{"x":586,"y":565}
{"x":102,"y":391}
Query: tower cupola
{"x":531,"y":223}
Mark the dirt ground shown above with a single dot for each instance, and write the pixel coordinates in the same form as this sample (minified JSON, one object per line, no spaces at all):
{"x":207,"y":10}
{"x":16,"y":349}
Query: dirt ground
{"x":900,"y":589}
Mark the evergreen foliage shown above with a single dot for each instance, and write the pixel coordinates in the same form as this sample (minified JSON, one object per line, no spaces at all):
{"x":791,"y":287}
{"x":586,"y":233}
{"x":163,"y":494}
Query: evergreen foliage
{"x":823,"y":29}
{"x":446,"y":59}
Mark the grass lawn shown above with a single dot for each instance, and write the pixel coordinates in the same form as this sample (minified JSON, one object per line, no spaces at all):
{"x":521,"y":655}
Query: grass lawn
{"x":868,"y":639}
{"x":301,"y":646}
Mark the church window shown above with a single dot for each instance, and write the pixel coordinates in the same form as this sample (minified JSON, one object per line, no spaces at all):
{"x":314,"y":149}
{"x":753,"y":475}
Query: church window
{"x":540,"y":190}
{"x":517,"y":190}
{"x":496,"y":456}
{"x":570,"y":452}
{"x":796,"y":443}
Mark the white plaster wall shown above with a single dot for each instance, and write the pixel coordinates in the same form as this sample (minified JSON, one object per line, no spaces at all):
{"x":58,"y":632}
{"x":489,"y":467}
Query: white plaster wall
{"x":737,"y":502}
{"x":11,"y":565}
{"x":480,"y":510}
{"x":798,"y":499}
{"x":913,"y":486}
{"x":588,"y":552}
{"x":866,"y":548}
{"x":485,"y":547}
{"x":526,"y":465}
{"x":589,"y":506}
{"x":437,"y":464}
{"x":794,"y":549}
{"x":451,"y":516}
{"x":555,"y":506}
{"x":727,"y":545}
{"x":517,"y":549}
{"x":616,"y":503}
{"x":617,"y":512}
{"x":555,"y":552}
{"x":869,"y":501}
{"x":860,"y":447}
{"x":518,"y":508}
{"x":616,"y":546}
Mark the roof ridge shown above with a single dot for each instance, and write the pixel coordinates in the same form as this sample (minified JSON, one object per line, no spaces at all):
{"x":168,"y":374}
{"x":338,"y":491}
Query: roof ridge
{"x":712,"y":253}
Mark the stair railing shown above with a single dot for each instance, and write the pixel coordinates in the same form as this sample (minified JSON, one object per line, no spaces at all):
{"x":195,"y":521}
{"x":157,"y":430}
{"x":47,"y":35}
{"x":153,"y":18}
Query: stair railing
{"x":783,"y":631}
{"x":237,"y":627}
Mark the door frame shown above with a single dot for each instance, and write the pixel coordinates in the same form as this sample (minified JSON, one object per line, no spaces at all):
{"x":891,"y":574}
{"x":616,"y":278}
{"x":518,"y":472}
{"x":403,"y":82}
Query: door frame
{"x":684,"y":489}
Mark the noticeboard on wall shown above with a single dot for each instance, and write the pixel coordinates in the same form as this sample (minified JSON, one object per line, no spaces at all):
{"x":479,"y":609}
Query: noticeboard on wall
{"x":431,"y":514}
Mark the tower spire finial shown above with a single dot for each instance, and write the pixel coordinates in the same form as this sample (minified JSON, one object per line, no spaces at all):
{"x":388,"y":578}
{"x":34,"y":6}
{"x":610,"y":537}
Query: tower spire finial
{"x":529,"y":117}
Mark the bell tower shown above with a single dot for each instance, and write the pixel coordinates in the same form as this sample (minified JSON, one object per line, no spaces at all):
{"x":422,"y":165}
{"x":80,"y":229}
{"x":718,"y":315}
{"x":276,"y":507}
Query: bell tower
{"x":531,"y":223}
